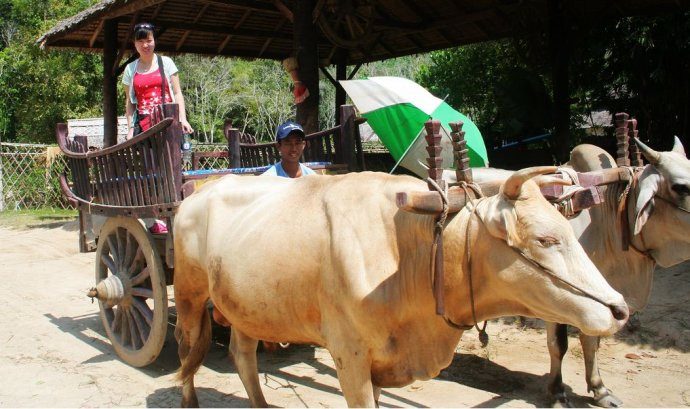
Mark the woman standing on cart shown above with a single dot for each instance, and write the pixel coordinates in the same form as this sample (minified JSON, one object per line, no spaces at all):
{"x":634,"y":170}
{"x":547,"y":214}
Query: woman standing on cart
{"x":150,"y":80}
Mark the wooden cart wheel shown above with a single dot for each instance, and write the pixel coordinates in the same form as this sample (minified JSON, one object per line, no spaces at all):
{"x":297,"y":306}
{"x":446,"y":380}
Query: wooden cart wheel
{"x":131,"y":290}
{"x":346,"y":23}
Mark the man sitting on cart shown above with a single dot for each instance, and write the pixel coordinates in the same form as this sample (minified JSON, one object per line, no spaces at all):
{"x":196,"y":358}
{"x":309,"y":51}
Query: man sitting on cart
{"x":290,"y":139}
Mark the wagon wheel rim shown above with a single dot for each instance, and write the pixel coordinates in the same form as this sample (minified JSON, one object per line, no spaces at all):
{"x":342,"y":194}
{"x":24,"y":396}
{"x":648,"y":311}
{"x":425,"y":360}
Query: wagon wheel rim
{"x":134,"y":311}
{"x":347,"y":24}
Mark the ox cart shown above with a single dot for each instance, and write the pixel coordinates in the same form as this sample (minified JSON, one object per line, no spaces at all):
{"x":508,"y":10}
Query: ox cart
{"x":115,"y":188}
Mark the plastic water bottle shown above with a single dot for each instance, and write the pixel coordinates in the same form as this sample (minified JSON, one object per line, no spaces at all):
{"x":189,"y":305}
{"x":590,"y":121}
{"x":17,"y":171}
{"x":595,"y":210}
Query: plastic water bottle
{"x":186,"y":142}
{"x":187,"y":151}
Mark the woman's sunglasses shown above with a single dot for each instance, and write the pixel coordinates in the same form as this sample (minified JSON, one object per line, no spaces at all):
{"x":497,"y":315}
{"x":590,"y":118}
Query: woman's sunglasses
{"x":144,"y":26}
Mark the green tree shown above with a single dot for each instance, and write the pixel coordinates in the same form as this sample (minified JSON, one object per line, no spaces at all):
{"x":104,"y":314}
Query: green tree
{"x":40,"y":88}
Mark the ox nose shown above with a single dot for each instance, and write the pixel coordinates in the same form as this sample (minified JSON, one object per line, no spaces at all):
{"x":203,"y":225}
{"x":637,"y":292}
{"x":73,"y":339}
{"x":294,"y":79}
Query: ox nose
{"x":619,"y":311}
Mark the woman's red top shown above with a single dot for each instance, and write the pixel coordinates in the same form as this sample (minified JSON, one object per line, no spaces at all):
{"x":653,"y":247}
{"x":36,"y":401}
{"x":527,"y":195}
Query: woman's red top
{"x":147,"y":88}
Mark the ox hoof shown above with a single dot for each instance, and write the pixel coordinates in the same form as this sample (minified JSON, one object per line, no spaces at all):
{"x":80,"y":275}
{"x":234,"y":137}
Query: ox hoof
{"x":561,"y":401}
{"x":606,"y":399}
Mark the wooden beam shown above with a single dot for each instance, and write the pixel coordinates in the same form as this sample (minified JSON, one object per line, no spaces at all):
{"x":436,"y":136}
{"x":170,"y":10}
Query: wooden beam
{"x":216,"y":29}
{"x":242,"y":4}
{"x":284,"y":9}
{"x":130,"y":8}
{"x":268,"y":41}
{"x":94,"y":36}
{"x":187,"y":32}
{"x":236,"y":26}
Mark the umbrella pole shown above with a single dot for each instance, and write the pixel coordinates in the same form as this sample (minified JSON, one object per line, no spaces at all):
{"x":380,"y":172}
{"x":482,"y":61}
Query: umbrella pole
{"x":405,"y":153}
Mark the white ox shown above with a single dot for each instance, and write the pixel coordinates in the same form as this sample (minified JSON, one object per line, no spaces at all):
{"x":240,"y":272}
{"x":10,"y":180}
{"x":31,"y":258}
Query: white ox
{"x":658,"y":212}
{"x":332,"y":261}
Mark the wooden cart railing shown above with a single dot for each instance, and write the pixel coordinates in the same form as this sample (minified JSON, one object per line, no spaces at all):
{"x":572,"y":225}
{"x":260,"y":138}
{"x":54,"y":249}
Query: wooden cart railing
{"x":340,"y":145}
{"x":141,"y":177}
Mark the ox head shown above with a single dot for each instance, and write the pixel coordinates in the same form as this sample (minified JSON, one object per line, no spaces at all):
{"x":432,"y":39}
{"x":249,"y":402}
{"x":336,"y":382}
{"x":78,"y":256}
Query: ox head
{"x":664,"y":191}
{"x":543,"y":271}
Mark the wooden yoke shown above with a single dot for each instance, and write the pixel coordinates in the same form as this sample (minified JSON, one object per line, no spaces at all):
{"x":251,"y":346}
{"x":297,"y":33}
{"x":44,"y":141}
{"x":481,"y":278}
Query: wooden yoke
{"x":635,"y":153}
{"x":622,"y":139}
{"x":431,"y":202}
{"x":434,"y":148}
{"x":463,"y":172}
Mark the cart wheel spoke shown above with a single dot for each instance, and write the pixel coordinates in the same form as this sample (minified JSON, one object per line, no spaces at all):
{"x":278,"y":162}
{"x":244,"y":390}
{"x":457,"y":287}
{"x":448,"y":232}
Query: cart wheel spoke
{"x":135,"y":263}
{"x":143,"y":310}
{"x":141,"y":325}
{"x":141,"y":277}
{"x":142,"y":292}
{"x":120,"y":247}
{"x":109,"y":262}
{"x":134,"y":339}
{"x":124,"y":327}
{"x":129,"y":249}
{"x":116,"y":324}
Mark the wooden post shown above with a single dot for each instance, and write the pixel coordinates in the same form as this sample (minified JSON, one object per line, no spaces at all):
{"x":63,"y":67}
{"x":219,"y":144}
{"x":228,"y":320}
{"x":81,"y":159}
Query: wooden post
{"x":635,"y":154}
{"x":559,"y":50}
{"x":233,"y":137}
{"x":622,"y":158}
{"x":347,"y":133}
{"x":305,"y":35}
{"x":109,"y":83}
{"x":340,"y":74}
{"x":460,"y":153}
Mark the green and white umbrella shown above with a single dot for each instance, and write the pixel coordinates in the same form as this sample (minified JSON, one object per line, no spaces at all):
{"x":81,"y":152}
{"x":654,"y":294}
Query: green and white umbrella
{"x":396,"y":109}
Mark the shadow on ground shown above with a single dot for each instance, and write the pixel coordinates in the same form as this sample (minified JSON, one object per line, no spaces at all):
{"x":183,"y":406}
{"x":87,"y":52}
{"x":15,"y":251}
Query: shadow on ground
{"x":480,"y":373}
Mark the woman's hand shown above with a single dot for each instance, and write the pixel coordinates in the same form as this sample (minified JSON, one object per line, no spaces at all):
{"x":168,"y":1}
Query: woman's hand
{"x":186,"y":127}
{"x":130,"y":133}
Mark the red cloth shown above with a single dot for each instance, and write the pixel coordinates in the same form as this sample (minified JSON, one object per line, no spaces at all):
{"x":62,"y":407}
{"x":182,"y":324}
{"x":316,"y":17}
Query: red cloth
{"x":147,"y":89}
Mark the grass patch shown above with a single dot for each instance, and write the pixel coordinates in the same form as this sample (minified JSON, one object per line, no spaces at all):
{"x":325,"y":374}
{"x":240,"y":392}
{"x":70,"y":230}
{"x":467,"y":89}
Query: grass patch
{"x":38,"y":218}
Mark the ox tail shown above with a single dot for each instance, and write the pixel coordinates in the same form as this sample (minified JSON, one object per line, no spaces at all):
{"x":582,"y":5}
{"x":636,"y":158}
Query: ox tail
{"x":192,"y":356}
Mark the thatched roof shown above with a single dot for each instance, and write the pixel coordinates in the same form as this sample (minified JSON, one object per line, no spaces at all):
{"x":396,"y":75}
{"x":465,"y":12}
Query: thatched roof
{"x":367,"y":30}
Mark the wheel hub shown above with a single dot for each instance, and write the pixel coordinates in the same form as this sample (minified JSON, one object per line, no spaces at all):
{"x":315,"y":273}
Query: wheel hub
{"x":109,"y":291}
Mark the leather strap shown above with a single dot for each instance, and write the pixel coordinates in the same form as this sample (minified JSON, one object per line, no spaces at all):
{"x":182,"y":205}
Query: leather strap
{"x":163,"y":79}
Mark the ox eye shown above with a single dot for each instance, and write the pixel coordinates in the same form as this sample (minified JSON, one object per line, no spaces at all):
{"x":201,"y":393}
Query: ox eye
{"x":681,"y":190}
{"x":547,"y":241}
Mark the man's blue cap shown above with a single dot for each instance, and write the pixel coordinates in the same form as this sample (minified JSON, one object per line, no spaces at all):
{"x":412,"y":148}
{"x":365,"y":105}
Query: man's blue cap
{"x":286,"y":128}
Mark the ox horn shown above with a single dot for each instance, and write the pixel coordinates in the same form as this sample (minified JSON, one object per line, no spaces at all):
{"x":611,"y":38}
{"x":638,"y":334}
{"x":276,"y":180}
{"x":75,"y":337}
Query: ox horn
{"x":650,"y":154}
{"x":512,"y":186}
{"x":678,"y":146}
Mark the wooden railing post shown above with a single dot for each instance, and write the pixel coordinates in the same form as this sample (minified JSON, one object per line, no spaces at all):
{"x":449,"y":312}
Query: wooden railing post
{"x":622,"y":158}
{"x":347,"y":136}
{"x":233,"y":137}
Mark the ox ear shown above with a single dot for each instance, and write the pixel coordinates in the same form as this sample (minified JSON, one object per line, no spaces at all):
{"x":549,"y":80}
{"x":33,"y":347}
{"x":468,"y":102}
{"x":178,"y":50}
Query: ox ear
{"x":678,"y":146}
{"x":501,"y":222}
{"x":650,"y":181}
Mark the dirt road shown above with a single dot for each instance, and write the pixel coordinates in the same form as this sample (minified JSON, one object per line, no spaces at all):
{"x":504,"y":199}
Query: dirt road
{"x":54,"y":353}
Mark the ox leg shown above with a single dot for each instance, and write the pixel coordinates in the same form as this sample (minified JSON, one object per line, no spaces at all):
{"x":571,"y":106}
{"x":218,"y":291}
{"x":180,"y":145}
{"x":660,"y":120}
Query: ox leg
{"x":354,"y":373}
{"x":243,"y":350}
{"x":193,"y":334}
{"x":557,"y":341}
{"x":602,"y":395}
